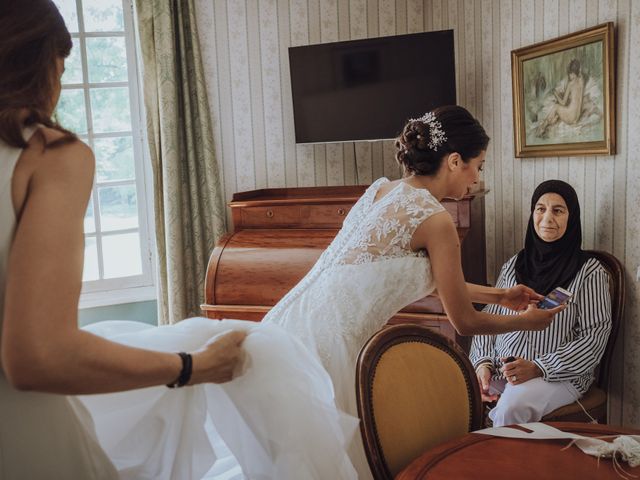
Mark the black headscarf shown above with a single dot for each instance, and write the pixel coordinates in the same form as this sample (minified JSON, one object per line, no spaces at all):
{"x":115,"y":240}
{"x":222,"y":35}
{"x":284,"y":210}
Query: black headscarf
{"x":542,"y":265}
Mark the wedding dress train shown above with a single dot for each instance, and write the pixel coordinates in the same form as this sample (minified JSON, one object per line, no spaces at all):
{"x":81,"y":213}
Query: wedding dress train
{"x":292,"y":413}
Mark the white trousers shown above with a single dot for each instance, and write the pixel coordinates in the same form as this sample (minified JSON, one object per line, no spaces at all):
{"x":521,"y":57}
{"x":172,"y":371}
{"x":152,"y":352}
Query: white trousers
{"x":529,"y":401}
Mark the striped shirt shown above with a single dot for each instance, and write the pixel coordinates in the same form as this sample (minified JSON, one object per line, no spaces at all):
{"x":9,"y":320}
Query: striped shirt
{"x":571,"y":347}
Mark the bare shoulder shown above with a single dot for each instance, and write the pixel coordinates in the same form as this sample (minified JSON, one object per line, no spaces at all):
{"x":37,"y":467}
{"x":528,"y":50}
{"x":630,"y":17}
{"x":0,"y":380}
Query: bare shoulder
{"x":437,"y":228}
{"x":438,"y":222}
{"x":73,"y":161}
{"x":51,"y":135}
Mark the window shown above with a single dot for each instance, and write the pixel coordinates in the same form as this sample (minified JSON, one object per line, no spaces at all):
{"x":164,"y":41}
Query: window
{"x":100,"y":102}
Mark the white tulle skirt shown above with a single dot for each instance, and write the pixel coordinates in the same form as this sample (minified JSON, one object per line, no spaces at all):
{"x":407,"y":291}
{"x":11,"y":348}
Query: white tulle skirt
{"x":278,"y":418}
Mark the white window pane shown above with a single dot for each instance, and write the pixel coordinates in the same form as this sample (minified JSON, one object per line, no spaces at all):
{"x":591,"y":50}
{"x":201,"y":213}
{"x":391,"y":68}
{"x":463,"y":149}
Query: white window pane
{"x":73,"y":65}
{"x":121,"y":255}
{"x":89,"y":220}
{"x":69,"y":13}
{"x":118,"y":207}
{"x":114,"y":159}
{"x":110,"y":109}
{"x":103,"y":15}
{"x":107,"y":59}
{"x":71,"y":111}
{"x":91,"y":271}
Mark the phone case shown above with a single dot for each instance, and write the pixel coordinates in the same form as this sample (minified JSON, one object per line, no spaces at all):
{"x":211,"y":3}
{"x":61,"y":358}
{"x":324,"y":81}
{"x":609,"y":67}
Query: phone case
{"x":558,"y":296}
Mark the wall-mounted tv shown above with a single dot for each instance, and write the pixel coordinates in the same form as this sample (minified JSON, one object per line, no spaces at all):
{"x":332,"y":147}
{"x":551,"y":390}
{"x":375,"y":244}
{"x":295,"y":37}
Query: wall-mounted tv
{"x":367,"y":89}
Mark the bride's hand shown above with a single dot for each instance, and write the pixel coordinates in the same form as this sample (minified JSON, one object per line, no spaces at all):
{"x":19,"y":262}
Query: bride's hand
{"x":519,"y":297}
{"x":535,"y":318}
{"x":217,"y":360}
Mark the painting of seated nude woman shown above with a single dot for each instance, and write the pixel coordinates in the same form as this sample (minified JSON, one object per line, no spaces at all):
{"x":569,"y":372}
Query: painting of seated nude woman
{"x":564,"y":102}
{"x":563,"y":94}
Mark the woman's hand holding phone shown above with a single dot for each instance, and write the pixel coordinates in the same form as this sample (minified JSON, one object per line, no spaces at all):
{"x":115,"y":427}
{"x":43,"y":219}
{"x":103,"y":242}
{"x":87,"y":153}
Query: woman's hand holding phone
{"x":534,"y":318}
{"x":519,"y":297}
{"x":558,"y":296}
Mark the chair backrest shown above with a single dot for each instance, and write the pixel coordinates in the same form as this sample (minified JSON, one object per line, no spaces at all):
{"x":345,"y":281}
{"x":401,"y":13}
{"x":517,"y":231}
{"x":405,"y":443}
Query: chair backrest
{"x":617,"y":288}
{"x":415,"y":389}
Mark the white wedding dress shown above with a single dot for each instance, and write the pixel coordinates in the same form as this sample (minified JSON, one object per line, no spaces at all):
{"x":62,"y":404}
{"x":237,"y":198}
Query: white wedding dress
{"x":291,"y":414}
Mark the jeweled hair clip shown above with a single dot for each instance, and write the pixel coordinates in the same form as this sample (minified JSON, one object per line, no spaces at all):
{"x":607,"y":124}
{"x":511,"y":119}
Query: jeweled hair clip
{"x":436,"y":132}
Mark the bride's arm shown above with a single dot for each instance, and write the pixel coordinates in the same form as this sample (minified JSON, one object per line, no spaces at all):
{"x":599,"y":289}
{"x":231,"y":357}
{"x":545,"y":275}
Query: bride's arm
{"x":516,"y":298}
{"x":484,"y":294}
{"x":438,"y":236}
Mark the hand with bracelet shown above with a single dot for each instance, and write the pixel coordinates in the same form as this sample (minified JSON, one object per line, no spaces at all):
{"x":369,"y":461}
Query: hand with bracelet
{"x":214,"y":363}
{"x":519,"y":370}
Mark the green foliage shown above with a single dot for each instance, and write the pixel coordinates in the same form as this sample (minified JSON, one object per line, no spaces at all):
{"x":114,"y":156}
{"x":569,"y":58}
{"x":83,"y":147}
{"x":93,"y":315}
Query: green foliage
{"x":114,"y":159}
{"x":103,"y":15}
{"x":73,"y":65}
{"x":107,"y":59}
{"x":71,"y":112}
{"x":110,"y":109}
{"x":118,"y":207}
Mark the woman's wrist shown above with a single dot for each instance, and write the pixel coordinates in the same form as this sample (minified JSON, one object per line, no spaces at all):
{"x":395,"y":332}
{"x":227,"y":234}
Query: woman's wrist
{"x":485,"y":294}
{"x":186,"y":370}
{"x":536,"y":368}
{"x":175,"y":367}
{"x":485,"y":364}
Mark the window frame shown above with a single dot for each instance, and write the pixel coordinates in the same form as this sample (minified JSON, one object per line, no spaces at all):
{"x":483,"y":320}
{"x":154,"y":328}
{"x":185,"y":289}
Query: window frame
{"x":113,"y":291}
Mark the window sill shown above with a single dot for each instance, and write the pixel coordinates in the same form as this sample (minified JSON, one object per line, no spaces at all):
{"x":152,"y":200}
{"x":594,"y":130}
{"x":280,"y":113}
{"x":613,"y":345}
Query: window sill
{"x":117,"y":297}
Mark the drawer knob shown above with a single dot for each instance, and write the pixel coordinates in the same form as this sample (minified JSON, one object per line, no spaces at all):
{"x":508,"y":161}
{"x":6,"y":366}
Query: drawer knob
{"x":341,"y":212}
{"x":270,"y":213}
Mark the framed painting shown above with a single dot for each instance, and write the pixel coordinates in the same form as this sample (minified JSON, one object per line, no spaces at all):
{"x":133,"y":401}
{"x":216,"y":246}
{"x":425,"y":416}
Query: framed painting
{"x":564,"y":95}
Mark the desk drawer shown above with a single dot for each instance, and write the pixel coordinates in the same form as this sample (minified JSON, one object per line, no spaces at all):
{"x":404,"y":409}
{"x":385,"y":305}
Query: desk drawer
{"x":332,"y":215}
{"x":270,"y":216}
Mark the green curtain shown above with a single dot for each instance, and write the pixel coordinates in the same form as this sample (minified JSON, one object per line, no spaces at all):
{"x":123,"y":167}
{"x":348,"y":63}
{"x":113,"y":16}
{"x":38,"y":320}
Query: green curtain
{"x":189,"y":210}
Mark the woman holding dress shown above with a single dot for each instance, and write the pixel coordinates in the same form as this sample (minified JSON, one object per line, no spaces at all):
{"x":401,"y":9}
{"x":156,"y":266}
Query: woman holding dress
{"x":46,"y":175}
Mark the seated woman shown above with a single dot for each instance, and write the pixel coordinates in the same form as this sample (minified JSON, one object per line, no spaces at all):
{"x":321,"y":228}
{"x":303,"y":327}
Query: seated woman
{"x":555,"y":366}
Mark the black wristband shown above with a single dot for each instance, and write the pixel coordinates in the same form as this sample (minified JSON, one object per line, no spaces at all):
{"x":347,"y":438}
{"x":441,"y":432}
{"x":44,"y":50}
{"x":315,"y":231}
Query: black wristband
{"x":185,"y":373}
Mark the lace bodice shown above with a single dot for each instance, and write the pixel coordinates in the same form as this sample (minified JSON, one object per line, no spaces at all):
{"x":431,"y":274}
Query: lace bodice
{"x":383,"y":230}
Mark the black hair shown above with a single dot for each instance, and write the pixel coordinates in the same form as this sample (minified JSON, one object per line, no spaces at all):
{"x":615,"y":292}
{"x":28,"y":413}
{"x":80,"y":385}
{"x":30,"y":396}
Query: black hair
{"x":463,"y":135}
{"x":574,"y":67}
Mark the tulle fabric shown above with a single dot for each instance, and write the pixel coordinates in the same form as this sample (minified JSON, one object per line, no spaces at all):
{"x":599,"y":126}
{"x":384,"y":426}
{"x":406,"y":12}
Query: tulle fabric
{"x":278,"y":417}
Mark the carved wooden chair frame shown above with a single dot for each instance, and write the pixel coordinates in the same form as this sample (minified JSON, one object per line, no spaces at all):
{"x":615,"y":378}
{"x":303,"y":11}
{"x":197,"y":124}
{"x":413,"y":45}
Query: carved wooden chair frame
{"x":368,"y":360}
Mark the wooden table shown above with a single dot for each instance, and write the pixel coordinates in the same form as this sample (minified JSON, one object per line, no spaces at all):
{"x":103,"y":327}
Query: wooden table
{"x":478,"y":457}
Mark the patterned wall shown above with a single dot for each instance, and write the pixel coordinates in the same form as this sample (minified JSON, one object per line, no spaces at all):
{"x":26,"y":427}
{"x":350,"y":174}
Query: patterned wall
{"x":245,"y":43}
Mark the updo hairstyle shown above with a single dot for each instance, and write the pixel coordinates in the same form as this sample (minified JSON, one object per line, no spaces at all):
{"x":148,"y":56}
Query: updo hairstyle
{"x":463,"y":135}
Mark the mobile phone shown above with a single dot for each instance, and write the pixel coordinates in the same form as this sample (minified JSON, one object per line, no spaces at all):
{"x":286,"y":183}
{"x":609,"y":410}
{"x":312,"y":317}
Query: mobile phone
{"x":558,"y":296}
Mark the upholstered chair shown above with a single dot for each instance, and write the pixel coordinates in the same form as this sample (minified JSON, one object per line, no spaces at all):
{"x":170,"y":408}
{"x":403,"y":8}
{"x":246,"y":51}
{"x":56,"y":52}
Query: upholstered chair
{"x":415,"y":390}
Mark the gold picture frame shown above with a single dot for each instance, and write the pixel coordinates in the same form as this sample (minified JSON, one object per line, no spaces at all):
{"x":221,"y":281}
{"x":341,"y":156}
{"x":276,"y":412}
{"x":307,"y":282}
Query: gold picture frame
{"x":564,"y":95}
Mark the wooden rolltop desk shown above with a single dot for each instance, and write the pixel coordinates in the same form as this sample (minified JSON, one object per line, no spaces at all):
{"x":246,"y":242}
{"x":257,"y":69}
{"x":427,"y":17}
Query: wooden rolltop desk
{"x":280,"y":233}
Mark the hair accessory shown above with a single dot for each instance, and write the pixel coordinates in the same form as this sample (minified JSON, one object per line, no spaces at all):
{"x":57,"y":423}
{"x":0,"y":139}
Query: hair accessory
{"x":185,"y":373}
{"x":436,"y":133}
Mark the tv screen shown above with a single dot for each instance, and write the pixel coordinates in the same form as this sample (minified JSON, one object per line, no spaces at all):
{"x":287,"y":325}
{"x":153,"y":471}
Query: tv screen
{"x":367,"y":89}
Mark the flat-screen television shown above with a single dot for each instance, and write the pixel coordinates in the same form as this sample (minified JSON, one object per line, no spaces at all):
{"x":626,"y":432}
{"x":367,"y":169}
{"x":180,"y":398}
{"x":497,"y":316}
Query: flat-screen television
{"x":367,"y":89}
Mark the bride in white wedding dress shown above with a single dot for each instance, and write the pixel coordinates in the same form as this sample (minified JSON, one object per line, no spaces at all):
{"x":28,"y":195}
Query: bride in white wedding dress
{"x":279,"y":418}
{"x":92,"y":403}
